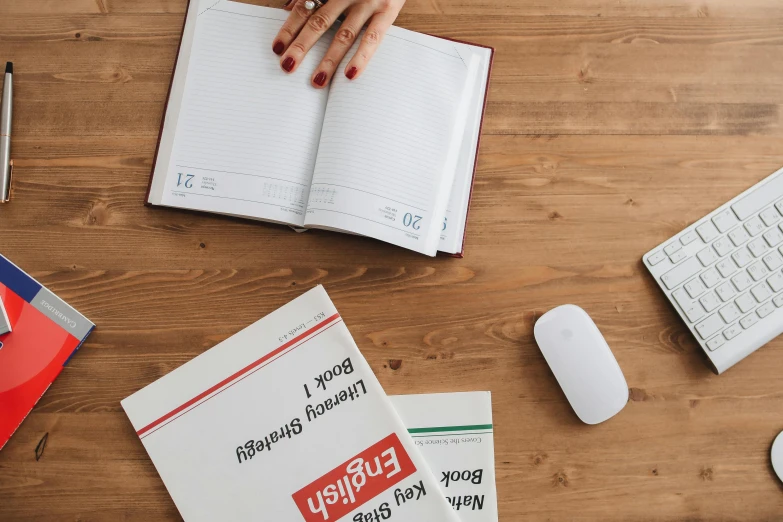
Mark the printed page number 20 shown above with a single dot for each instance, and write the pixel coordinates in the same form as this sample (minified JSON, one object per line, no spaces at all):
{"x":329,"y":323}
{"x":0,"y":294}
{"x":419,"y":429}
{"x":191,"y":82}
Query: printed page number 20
{"x":411,"y":221}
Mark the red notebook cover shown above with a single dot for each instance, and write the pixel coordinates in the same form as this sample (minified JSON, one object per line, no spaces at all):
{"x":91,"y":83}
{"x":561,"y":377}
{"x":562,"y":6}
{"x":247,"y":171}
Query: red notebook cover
{"x":461,"y":253}
{"x":45,"y":333}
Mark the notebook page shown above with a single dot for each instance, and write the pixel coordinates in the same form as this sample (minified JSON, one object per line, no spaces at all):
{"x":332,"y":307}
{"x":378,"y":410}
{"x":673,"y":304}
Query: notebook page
{"x":174,"y":105}
{"x":390,"y":141}
{"x":247,"y":134}
{"x":453,"y":230}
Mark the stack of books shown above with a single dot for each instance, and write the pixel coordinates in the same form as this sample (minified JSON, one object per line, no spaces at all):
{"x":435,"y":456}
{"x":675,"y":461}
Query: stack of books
{"x":285,"y":421}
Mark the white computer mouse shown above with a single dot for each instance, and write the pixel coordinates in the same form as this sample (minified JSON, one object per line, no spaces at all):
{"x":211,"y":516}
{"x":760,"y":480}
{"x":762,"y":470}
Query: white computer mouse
{"x":582,"y":363}
{"x":777,"y":456}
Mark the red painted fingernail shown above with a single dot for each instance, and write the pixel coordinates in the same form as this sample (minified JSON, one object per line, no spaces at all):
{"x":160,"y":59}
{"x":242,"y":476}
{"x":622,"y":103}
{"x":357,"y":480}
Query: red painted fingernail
{"x":288,"y":64}
{"x":351,"y":73}
{"x":320,"y":79}
{"x":278,"y":48}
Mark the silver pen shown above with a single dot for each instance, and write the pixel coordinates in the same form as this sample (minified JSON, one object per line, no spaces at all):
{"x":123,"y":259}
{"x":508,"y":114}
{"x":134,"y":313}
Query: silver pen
{"x":6,"y":165}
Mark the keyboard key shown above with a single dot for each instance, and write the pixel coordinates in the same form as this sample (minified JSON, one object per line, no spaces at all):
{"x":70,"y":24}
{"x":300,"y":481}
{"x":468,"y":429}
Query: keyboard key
{"x":724,"y":220}
{"x":742,"y":281}
{"x":716,"y":342}
{"x":726,"y":267}
{"x":722,"y":246}
{"x":707,"y":256}
{"x":745,"y":303}
{"x":774,"y":237}
{"x":742,"y":257}
{"x":672,"y":248}
{"x":758,"y":271}
{"x":710,"y":301}
{"x":779,"y":206}
{"x":681,"y":296}
{"x":681,"y":273}
{"x":758,"y":247}
{"x":749,"y":321}
{"x":765,"y":309}
{"x":694,"y":312}
{"x":726,"y":292}
{"x":773,"y":261}
{"x":710,"y":278}
{"x":689,"y":237}
{"x":754,"y":226}
{"x":732,"y":331}
{"x":730,"y":313}
{"x":656,"y":258}
{"x":761,"y":292}
{"x":758,"y":198}
{"x":776,"y":282}
{"x":678,"y":256}
{"x":769,"y":216}
{"x":778,"y":301}
{"x":707,"y":232}
{"x":710,"y":326}
{"x":695,"y":287}
{"x":738,"y":236}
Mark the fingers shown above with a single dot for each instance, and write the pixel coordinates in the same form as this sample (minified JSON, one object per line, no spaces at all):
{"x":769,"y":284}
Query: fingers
{"x":343,"y":40}
{"x":288,"y":5}
{"x":291,"y":27}
{"x":372,"y":37}
{"x":315,"y":25}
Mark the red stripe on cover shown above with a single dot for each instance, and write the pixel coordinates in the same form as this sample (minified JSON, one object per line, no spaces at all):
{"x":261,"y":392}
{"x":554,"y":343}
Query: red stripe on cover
{"x":237,"y":375}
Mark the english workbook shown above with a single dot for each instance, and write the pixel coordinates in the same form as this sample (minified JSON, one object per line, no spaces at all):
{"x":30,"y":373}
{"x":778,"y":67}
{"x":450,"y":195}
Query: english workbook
{"x":285,"y":421}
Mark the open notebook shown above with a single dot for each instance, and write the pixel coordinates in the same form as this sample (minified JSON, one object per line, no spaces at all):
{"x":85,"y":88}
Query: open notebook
{"x":390,"y":155}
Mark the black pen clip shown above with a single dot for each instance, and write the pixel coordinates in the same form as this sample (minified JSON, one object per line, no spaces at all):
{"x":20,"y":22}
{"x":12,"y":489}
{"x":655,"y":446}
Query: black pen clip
{"x":10,"y":179}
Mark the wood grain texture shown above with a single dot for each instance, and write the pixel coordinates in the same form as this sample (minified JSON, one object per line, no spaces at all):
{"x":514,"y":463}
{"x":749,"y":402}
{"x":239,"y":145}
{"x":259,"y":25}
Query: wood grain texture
{"x":611,"y":126}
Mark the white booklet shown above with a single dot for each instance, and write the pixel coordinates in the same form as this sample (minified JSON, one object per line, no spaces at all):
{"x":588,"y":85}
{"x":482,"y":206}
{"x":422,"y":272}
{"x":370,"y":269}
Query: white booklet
{"x":454,"y":433}
{"x":390,"y":155}
{"x":285,"y":421}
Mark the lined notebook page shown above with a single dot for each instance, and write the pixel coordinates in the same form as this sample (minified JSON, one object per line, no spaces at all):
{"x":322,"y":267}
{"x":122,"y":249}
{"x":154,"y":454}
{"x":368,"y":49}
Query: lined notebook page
{"x":389,"y":143}
{"x":247,"y":134}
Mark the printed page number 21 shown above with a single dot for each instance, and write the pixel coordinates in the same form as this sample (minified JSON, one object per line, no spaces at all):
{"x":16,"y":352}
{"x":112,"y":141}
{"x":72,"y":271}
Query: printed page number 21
{"x":187,"y":181}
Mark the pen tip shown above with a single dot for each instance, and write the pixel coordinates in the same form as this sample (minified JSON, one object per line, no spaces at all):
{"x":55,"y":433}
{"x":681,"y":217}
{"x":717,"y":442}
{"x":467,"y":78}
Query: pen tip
{"x":9,"y":68}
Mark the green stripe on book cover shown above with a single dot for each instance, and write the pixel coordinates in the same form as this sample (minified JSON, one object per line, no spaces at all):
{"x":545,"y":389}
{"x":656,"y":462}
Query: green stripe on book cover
{"x":473,"y":427}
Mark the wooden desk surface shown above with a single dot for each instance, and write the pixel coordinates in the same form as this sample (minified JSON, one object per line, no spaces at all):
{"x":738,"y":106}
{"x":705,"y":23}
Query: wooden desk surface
{"x":611,"y":126}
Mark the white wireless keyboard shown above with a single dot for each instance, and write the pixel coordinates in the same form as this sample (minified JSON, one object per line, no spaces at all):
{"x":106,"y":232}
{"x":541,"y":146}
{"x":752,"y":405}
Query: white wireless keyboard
{"x":724,"y":274}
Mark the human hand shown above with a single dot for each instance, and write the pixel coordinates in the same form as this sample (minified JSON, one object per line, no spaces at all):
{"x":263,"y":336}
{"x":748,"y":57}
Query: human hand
{"x":304,"y":27}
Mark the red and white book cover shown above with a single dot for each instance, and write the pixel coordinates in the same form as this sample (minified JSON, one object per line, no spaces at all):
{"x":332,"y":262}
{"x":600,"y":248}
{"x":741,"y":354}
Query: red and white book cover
{"x":39,"y":333}
{"x":285,"y":421}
